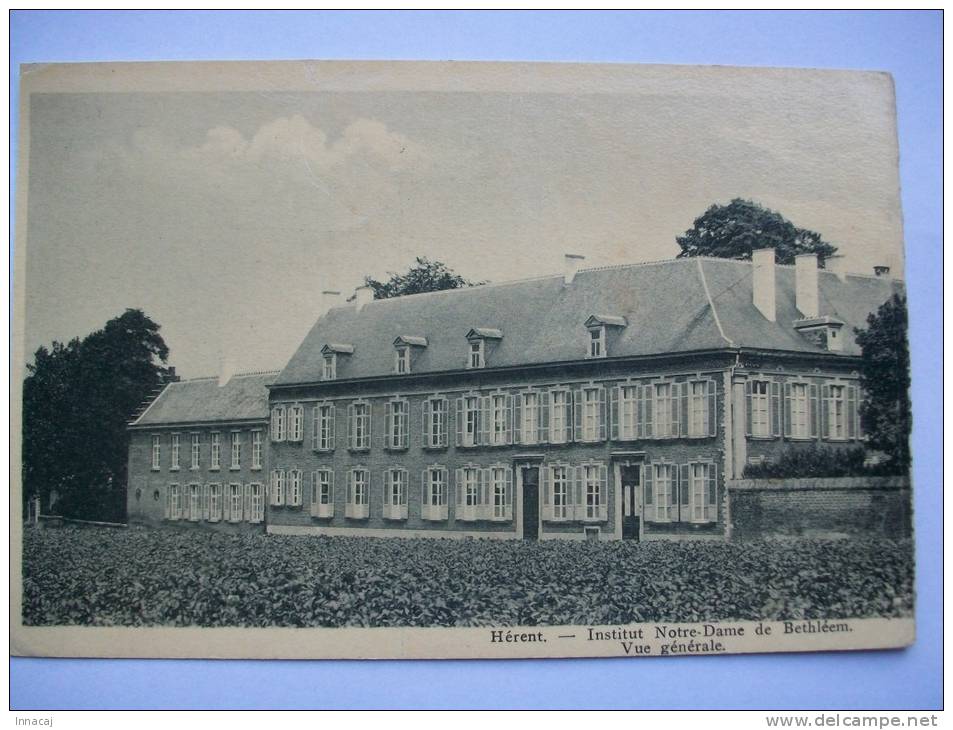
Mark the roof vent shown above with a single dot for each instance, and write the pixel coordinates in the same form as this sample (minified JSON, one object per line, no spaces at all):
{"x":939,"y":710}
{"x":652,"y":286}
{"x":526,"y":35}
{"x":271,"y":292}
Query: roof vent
{"x":881,"y":271}
{"x":571,"y":264}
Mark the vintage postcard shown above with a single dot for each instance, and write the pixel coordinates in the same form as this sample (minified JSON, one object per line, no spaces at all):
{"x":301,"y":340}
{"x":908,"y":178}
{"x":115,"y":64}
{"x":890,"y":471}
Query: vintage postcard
{"x":370,"y":360}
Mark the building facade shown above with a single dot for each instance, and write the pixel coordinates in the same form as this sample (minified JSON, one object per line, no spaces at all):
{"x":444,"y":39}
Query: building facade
{"x":600,"y":404}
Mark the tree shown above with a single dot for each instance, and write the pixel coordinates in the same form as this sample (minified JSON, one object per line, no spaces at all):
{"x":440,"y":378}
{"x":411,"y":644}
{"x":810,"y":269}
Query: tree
{"x":733,"y":231}
{"x":77,"y":399}
{"x":425,"y":275}
{"x":885,"y":377}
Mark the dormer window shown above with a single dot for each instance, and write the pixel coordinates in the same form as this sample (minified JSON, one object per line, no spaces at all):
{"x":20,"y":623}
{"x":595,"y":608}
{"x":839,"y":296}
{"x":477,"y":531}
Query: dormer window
{"x":402,"y":364}
{"x":330,"y":367}
{"x":477,"y":338}
{"x":405,"y":345}
{"x":824,"y":332}
{"x":477,"y":354}
{"x":598,"y":325}
{"x":330,"y":352}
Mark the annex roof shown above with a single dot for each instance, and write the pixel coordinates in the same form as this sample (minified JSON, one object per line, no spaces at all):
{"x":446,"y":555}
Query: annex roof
{"x":674,"y":306}
{"x":202,"y":400}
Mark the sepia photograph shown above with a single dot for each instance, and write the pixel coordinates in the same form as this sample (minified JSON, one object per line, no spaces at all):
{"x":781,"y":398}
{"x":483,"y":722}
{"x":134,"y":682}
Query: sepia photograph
{"x":397,"y":360}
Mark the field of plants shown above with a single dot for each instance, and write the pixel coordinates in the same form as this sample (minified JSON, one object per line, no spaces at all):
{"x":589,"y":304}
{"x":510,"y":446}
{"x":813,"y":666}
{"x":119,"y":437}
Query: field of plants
{"x":143,"y":577}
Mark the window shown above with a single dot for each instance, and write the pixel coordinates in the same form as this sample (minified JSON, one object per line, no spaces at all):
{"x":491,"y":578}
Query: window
{"x":664,"y":498}
{"x":702,"y":493}
{"x":591,"y":424}
{"x":322,"y":438}
{"x":257,"y":502}
{"x":477,"y":352}
{"x":560,"y":416}
{"x":760,"y":419}
{"x":234,"y":502}
{"x":195,"y":503}
{"x":469,"y":496}
{"x":395,"y":494}
{"x":256,"y":449}
{"x":500,"y":417}
{"x":295,"y":423}
{"x":837,"y":412}
{"x":359,"y":426}
{"x":593,"y":485}
{"x":173,"y":507}
{"x":215,"y":453}
{"x":175,"y":451}
{"x":294,"y":487}
{"x":501,"y":486}
{"x":558,"y":506}
{"x":214,"y":502}
{"x":358,"y":485}
{"x":434,"y":502}
{"x":330,"y":367}
{"x":628,"y":399}
{"x":278,"y":423}
{"x":156,"y":452}
{"x":277,"y":487}
{"x":402,"y":360}
{"x":322,"y":493}
{"x":529,"y":421}
{"x":435,"y":423}
{"x":597,"y":342}
{"x":236,"y":450}
{"x":798,"y":406}
{"x":663,"y":411}
{"x":397,"y":424}
{"x":196,"y":451}
{"x":468,"y":421}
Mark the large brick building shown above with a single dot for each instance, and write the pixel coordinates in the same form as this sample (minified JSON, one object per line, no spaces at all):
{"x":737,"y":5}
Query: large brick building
{"x":600,"y":403}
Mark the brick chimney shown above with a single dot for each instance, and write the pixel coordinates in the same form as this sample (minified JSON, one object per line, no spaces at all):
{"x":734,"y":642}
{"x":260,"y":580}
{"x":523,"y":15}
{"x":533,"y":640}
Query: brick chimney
{"x":763,"y":282}
{"x":881,"y":271}
{"x":571,"y":264}
{"x":837,"y":264}
{"x":805,"y":284}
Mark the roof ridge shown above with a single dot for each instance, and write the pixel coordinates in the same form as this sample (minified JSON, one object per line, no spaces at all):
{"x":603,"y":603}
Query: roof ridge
{"x":247,"y":374}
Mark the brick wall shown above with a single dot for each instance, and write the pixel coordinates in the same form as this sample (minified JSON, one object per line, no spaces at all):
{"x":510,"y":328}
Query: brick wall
{"x":822,"y":507}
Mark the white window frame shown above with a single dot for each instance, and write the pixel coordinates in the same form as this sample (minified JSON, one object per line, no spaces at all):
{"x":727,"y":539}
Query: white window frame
{"x":662,"y":394}
{"x":662,"y":507}
{"x":629,"y":395}
{"x":699,"y":509}
{"x":837,"y":412}
{"x":593,"y":488}
{"x":358,"y":506}
{"x":195,"y":451}
{"x":476,"y":356}
{"x":256,"y":500}
{"x":402,"y":360}
{"x":560,"y":416}
{"x":322,"y":496}
{"x":215,"y":451}
{"x":597,"y":342}
{"x":562,"y":510}
{"x":278,"y":424}
{"x":500,"y":410}
{"x":470,"y":504}
{"x":800,"y":407}
{"x":324,"y":414}
{"x":593,"y":413}
{"x":435,"y":422}
{"x":295,"y":423}
{"x":435,"y":497}
{"x":698,"y":416}
{"x":529,"y":416}
{"x":175,"y":501}
{"x":156,"y":452}
{"x":396,"y":485}
{"x":329,"y":369}
{"x":761,"y":409}
{"x":235,"y":497}
{"x":277,"y":487}
{"x":470,"y":432}
{"x":195,"y":502}
{"x":256,"y":445}
{"x":235,"y":450}
{"x":175,"y":452}
{"x":396,"y":431}
{"x":359,"y":425}
{"x":215,"y":493}
{"x":500,"y":481}
{"x":294,"y":487}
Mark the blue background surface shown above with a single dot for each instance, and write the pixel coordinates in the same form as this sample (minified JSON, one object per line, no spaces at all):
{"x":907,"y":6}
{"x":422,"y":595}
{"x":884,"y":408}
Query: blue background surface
{"x":907,"y":44}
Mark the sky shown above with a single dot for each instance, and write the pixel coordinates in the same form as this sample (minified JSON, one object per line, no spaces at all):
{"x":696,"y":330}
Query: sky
{"x":224,"y":214}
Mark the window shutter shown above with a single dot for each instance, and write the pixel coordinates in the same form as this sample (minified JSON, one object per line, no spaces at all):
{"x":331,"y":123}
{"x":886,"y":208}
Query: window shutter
{"x":712,"y":414}
{"x":247,"y":501}
{"x":443,"y":408}
{"x":648,"y":491}
{"x":603,"y":414}
{"x":332,"y":422}
{"x":747,"y":408}
{"x":315,"y":488}
{"x":405,"y":425}
{"x":426,"y":419}
{"x":205,"y":500}
{"x":315,"y":428}
{"x":542,"y":405}
{"x":683,"y":492}
{"x":517,"y":420}
{"x":508,"y":493}
{"x":614,"y":414}
{"x":388,"y":486}
{"x":640,"y":412}
{"x":576,"y":414}
{"x":682,"y":400}
{"x":387,"y":436}
{"x":484,"y":418}
{"x":331,"y":488}
{"x":711,"y":477}
{"x":813,"y":411}
{"x":168,"y":502}
{"x":424,"y":492}
{"x":787,"y":410}
{"x":351,"y":428}
{"x":545,"y":481}
{"x":775,"y":409}
{"x":349,"y":488}
{"x":576,"y":493}
{"x":483,"y":501}
{"x":460,"y":421}
{"x":826,"y":411}
{"x":603,"y":493}
{"x":461,"y":496}
{"x":852,"y":430}
{"x":226,"y":502}
{"x":508,"y":422}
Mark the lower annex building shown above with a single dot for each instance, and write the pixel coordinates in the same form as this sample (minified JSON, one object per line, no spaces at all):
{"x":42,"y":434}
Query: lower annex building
{"x":605,"y":403}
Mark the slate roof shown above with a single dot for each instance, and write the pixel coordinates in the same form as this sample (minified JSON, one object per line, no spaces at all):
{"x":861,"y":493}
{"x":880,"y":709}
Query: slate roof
{"x":674,"y":306}
{"x":201,"y":400}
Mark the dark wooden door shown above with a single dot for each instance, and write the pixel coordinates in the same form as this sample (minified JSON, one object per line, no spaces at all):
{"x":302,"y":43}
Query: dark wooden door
{"x":530,"y":503}
{"x":631,"y":494}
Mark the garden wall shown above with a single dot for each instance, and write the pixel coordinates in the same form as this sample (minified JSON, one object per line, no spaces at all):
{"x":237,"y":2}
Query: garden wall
{"x":826,"y":507}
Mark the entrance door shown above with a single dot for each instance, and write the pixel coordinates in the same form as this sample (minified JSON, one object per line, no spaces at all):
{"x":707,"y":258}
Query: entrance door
{"x":631,"y":502}
{"x":531,"y":503}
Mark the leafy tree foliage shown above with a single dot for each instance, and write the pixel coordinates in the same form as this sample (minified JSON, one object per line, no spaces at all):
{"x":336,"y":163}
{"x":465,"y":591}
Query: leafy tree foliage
{"x":885,"y":377}
{"x":425,"y":275}
{"x":733,"y":231}
{"x":77,"y":399}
